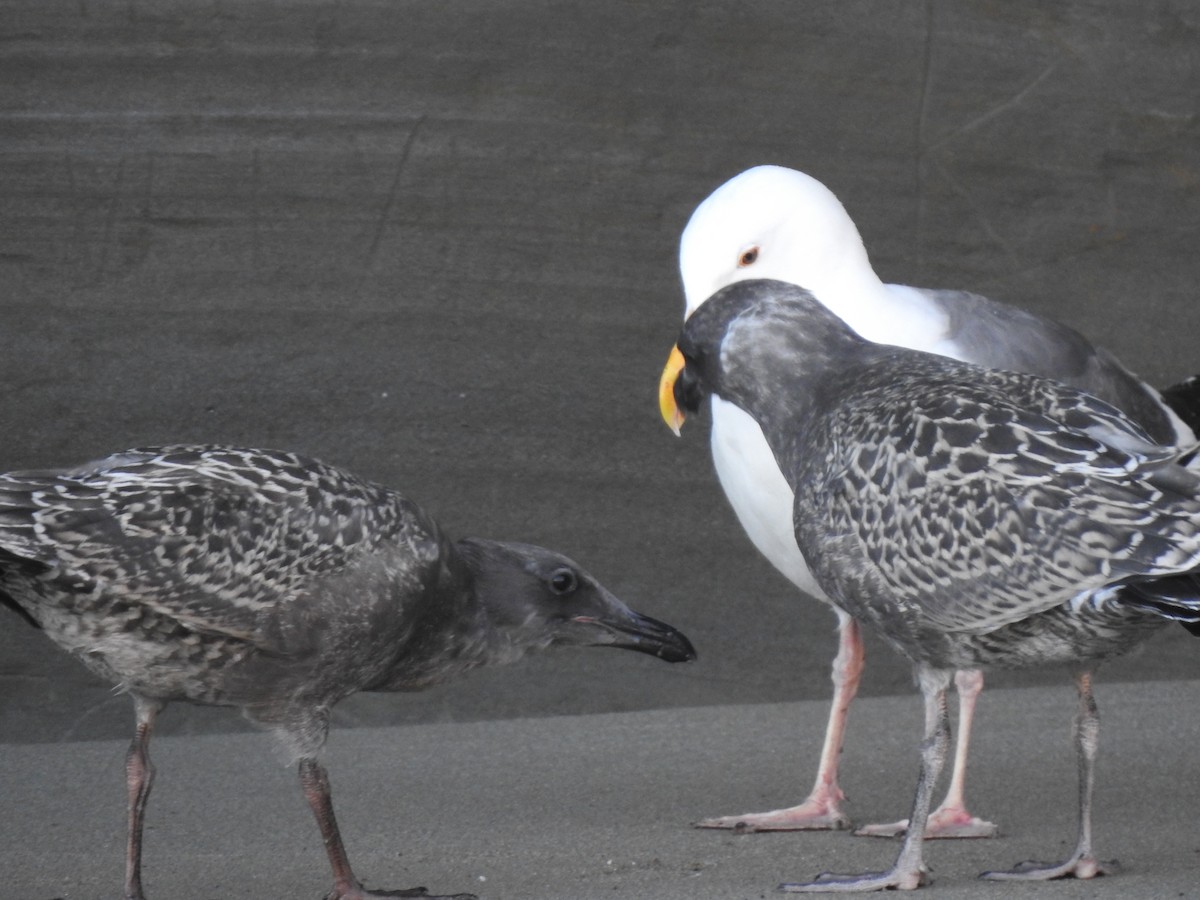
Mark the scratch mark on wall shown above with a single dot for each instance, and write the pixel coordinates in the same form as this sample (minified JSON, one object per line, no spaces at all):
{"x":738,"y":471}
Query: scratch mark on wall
{"x":980,"y":215}
{"x":390,"y":203}
{"x":110,"y":220}
{"x":998,"y":109}
{"x":256,"y":225}
{"x":919,"y":137}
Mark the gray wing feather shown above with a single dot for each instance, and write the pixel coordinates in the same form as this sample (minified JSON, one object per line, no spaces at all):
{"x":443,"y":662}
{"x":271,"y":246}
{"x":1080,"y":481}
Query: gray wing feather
{"x":212,"y":537}
{"x":978,"y":508}
{"x":999,"y":336}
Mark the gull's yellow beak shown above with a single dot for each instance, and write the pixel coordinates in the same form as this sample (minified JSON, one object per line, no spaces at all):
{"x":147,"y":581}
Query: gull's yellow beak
{"x":666,"y":391}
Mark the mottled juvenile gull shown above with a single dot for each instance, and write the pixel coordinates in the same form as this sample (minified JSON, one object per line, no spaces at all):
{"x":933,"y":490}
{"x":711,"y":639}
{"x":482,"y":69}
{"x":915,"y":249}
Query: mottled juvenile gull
{"x":973,"y":517}
{"x":279,"y":585}
{"x":772,"y":222}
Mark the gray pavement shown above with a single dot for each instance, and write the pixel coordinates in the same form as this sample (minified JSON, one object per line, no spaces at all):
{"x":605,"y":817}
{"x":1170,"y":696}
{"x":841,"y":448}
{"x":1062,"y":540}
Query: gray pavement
{"x":590,"y":807}
{"x":435,"y":243}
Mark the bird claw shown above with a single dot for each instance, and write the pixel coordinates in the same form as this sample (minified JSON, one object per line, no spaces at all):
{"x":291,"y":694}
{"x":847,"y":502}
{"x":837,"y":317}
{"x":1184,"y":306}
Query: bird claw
{"x":1081,"y":867}
{"x":831,"y":883}
{"x":811,"y":815}
{"x":835,"y":876}
{"x":944,"y":824}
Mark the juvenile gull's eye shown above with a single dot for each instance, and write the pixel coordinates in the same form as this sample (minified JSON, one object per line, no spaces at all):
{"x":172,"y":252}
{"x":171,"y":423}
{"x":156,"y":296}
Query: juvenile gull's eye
{"x":563,"y":581}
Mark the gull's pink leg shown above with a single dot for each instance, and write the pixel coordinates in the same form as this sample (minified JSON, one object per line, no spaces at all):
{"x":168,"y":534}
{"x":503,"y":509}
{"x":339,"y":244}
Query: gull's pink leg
{"x":315,"y":781}
{"x":908,"y":872}
{"x":822,"y":809}
{"x":951,"y":819}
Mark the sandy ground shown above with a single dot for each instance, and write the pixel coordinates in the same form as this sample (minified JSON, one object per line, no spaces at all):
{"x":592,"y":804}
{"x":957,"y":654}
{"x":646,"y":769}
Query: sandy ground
{"x":599,"y":806}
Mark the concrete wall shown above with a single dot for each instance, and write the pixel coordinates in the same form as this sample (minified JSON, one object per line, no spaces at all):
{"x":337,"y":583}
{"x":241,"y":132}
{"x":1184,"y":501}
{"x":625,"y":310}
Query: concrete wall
{"x":435,"y":243}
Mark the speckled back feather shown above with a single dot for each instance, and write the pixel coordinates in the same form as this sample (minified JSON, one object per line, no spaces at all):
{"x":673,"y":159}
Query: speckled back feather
{"x":983,"y":497}
{"x":972,"y":514}
{"x":208,"y":536}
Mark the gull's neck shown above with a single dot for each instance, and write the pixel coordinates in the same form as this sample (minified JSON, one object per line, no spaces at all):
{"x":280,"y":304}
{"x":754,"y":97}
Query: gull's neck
{"x":883,"y":313}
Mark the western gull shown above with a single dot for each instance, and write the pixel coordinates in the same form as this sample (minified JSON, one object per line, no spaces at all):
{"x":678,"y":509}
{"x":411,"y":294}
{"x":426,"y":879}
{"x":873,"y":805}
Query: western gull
{"x":774,"y":222}
{"x":279,"y":585}
{"x":974,"y":517}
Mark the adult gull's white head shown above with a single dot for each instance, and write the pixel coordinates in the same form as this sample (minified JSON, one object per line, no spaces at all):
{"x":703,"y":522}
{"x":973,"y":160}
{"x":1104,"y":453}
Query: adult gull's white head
{"x":778,"y":223}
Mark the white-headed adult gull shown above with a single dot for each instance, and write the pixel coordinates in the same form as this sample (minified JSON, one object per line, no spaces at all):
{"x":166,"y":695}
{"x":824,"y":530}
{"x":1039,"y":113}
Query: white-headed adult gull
{"x":773,"y":222}
{"x":973,"y":517}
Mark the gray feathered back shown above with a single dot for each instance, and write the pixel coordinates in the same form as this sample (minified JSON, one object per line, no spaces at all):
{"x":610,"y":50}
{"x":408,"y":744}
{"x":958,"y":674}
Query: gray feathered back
{"x":941,"y":500}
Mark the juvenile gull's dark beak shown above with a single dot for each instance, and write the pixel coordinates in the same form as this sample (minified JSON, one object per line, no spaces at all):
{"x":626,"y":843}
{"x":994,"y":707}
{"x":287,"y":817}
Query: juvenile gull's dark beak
{"x":633,"y":631}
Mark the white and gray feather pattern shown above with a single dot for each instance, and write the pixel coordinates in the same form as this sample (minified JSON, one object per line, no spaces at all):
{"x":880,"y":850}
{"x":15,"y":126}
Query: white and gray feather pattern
{"x":773,"y":222}
{"x":279,"y":585}
{"x":975,"y":517}
{"x":213,"y":536}
{"x":969,"y":498}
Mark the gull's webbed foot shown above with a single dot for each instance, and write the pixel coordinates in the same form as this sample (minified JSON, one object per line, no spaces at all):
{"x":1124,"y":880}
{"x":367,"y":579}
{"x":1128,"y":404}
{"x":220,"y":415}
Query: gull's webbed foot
{"x":829,"y":883}
{"x":820,"y":812}
{"x":945,"y":823}
{"x":1078,"y":866}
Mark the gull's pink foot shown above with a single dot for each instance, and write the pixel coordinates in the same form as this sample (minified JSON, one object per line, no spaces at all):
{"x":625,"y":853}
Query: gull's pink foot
{"x":822,"y":809}
{"x":820,"y":812}
{"x":946,"y":822}
{"x":1085,"y":866}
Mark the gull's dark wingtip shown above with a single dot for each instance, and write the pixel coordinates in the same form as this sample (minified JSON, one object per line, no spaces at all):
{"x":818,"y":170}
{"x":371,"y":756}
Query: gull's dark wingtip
{"x":1184,"y":400}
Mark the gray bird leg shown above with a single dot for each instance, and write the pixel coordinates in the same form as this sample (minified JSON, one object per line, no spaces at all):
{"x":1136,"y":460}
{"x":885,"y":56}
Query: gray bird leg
{"x":315,"y":781}
{"x":908,"y":872}
{"x":951,"y":819}
{"x":139,"y":778}
{"x":1082,"y":863}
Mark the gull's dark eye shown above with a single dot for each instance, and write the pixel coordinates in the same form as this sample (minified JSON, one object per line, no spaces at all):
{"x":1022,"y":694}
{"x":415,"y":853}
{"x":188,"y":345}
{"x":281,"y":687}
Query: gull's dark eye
{"x":748,"y":257}
{"x":563,"y":581}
